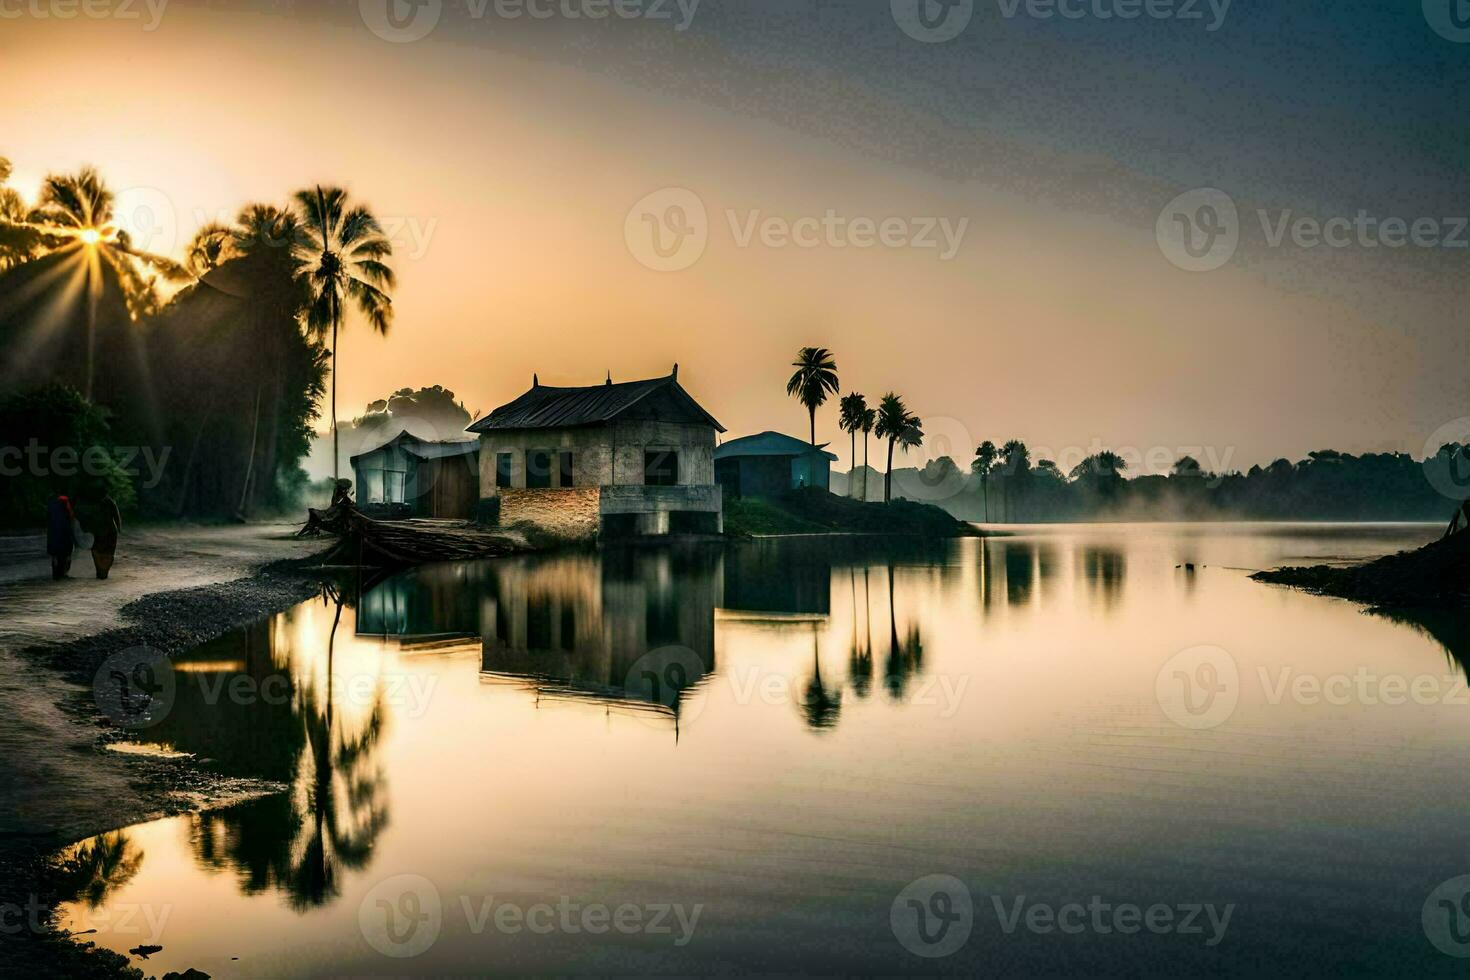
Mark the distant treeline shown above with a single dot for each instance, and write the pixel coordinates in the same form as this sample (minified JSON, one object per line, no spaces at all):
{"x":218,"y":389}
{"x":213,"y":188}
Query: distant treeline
{"x":1327,"y":485}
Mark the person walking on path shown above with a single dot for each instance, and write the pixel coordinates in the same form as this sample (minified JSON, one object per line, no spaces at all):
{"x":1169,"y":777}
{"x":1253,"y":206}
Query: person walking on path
{"x":104,"y":535}
{"x":60,"y":538}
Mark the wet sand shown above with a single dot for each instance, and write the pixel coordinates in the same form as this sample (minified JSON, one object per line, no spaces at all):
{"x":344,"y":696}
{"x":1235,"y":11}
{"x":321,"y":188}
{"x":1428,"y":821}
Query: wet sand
{"x":172,"y":587}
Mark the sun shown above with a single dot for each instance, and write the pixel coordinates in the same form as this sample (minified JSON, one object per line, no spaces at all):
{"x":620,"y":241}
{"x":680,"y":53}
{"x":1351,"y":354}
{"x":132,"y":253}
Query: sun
{"x":90,"y":236}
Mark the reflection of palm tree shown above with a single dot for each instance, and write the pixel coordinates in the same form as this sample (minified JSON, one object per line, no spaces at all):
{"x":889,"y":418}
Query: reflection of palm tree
{"x":92,"y":869}
{"x":340,"y":798}
{"x":860,"y":658}
{"x":820,"y":705}
{"x":328,"y":821}
{"x":905,"y":657}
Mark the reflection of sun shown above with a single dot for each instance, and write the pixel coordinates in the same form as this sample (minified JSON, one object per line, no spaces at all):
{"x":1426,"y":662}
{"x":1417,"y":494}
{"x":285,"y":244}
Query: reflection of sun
{"x":90,"y":236}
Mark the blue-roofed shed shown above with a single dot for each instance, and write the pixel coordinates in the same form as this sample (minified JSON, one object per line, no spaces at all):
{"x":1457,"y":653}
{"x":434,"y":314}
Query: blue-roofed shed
{"x":769,"y":464}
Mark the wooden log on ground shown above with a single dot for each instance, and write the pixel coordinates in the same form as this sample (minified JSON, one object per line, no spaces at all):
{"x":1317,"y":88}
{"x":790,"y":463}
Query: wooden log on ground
{"x":390,"y":544}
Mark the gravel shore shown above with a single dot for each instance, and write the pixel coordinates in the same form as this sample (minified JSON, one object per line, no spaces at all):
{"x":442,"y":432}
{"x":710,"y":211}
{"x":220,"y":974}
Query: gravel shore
{"x":174,"y":588}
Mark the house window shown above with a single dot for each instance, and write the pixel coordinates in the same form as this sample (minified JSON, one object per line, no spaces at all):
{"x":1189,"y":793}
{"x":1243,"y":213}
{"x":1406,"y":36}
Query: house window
{"x":564,"y":461}
{"x":538,"y":469}
{"x":372,"y":486}
{"x":503,"y":464}
{"x":661,"y":469}
{"x":393,"y":486}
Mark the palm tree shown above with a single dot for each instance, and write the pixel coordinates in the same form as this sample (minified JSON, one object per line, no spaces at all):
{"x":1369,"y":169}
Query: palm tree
{"x":896,"y":424}
{"x":870,"y":419}
{"x":339,"y":259}
{"x":985,"y":455}
{"x":851,"y":410}
{"x":75,"y":214}
{"x":18,"y":240}
{"x":814,"y":379}
{"x":1015,"y":460}
{"x":210,"y":247}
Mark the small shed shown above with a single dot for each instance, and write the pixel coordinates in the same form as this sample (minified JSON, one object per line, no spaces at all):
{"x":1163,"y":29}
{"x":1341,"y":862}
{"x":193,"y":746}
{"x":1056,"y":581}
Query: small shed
{"x":769,"y":464}
{"x":412,"y":477}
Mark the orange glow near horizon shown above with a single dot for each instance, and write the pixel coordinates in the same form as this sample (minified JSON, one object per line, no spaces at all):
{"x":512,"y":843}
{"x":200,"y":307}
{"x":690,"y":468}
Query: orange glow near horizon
{"x":506,"y":181}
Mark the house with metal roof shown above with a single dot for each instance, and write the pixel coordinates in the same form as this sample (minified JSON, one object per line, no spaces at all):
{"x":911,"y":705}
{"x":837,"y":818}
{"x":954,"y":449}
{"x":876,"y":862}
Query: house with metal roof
{"x":412,"y":477}
{"x":769,"y":464}
{"x":609,"y":460}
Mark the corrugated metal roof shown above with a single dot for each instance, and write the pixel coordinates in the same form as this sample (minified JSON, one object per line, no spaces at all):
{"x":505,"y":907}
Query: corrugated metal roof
{"x":547,"y":407}
{"x":422,"y":448}
{"x":439,"y":450}
{"x":768,"y":444}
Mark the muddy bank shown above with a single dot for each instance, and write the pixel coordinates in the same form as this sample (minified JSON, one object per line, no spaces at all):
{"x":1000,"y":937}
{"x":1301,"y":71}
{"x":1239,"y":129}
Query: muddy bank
{"x":175,"y":588}
{"x":63,"y":782}
{"x":1436,"y":576}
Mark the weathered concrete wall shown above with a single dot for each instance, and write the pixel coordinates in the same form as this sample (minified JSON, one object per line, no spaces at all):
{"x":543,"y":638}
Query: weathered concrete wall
{"x":603,"y":455}
{"x":572,"y":513}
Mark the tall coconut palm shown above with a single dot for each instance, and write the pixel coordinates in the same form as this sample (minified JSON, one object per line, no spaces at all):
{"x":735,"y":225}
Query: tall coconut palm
{"x":340,"y":260}
{"x":870,"y":419}
{"x":850,"y":418}
{"x":985,"y":456}
{"x":814,"y":379}
{"x":897,"y":425}
{"x":1015,"y":462}
{"x":75,"y":215}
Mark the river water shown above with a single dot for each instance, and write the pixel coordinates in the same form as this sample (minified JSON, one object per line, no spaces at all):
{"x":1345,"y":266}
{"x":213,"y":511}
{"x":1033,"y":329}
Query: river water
{"x":1084,"y":749}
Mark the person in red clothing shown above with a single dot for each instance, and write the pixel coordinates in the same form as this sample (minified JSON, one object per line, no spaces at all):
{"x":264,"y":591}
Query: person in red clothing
{"x":60,"y":540}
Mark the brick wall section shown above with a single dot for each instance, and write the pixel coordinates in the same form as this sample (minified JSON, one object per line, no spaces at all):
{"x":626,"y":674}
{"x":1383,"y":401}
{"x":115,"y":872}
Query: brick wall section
{"x":572,"y":513}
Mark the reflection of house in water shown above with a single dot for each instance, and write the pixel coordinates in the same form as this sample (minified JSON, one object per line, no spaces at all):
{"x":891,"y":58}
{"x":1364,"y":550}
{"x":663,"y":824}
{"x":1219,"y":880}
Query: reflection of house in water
{"x":572,"y":625}
{"x":423,"y":605}
{"x":790,"y":578}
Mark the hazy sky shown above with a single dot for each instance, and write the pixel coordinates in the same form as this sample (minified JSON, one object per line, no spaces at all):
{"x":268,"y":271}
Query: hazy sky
{"x":976,"y":220}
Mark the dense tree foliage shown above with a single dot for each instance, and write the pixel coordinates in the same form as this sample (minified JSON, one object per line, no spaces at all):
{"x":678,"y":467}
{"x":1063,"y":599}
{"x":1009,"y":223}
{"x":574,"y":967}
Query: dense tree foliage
{"x":1327,"y":485}
{"x":218,"y":383}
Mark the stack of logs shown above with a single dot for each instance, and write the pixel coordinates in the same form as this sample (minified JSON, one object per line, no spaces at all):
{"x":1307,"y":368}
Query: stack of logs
{"x":387,"y":544}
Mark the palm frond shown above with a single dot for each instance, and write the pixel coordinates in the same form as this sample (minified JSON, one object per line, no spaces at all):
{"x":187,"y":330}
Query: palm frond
{"x":376,"y":273}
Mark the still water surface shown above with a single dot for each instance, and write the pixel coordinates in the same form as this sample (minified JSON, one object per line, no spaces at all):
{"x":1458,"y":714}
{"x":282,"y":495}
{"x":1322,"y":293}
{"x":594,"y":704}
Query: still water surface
{"x":676,"y":761}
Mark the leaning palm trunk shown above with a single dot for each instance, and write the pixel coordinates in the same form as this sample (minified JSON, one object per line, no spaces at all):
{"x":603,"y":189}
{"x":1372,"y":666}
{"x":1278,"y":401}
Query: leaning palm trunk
{"x":250,"y":460}
{"x":888,"y":475}
{"x":336,"y":446}
{"x":865,"y":467}
{"x":94,"y":294}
